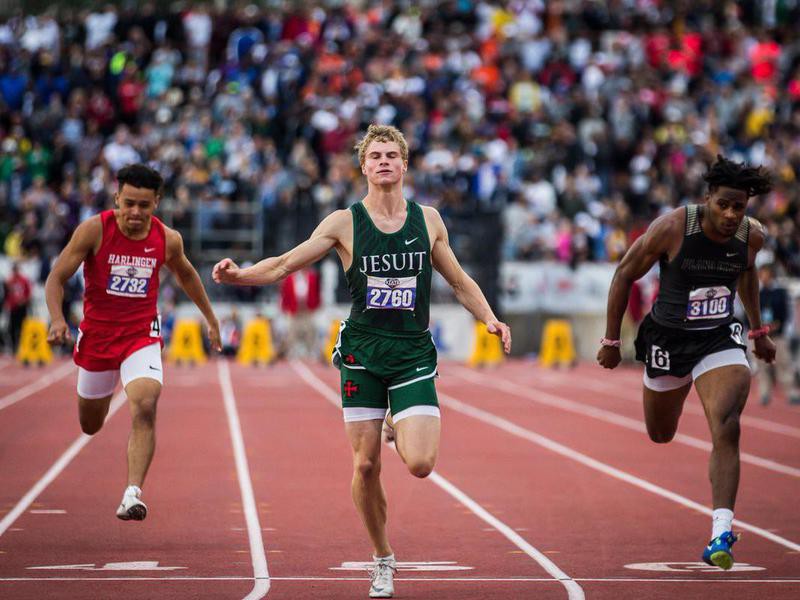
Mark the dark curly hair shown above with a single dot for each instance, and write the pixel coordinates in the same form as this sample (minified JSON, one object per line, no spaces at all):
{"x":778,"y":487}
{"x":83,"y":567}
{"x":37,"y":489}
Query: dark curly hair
{"x":754,"y":181}
{"x":140,"y":176}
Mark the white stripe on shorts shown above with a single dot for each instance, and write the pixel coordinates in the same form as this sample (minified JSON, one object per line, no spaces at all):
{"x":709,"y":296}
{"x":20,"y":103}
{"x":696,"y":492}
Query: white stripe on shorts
{"x":723,"y":358}
{"x":421,"y":409}
{"x":145,"y":363}
{"x":96,"y":384}
{"x":363,"y":413}
{"x":415,"y":380}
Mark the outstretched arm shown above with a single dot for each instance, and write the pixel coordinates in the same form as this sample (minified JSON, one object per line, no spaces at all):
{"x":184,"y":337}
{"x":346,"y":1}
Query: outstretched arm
{"x":638,"y":260}
{"x":187,"y":277}
{"x":468,"y":293}
{"x":275,"y":268}
{"x":85,"y":239}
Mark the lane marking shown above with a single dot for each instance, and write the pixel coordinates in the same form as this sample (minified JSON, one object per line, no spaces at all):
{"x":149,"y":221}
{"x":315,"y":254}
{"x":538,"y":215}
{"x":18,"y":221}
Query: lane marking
{"x":57,"y":467}
{"x":36,"y":386}
{"x":139,"y":565}
{"x":50,"y":511}
{"x":440,"y":565}
{"x":566,"y":451}
{"x":691,"y":567}
{"x":601,"y":414}
{"x":257,"y":554}
{"x":557,"y":379}
{"x":417,"y":579}
{"x":574,"y":590}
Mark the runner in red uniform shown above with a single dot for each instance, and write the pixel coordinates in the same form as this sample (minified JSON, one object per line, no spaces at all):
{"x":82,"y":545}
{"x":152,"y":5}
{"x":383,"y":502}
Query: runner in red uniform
{"x":122,"y":251}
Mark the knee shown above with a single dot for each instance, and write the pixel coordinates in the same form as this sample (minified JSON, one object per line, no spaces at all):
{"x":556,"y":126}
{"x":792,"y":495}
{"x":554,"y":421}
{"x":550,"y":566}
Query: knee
{"x":727,"y":430}
{"x":91,"y":426}
{"x":366,"y":467}
{"x":420,"y":468}
{"x":660,"y":435}
{"x":144,"y":412}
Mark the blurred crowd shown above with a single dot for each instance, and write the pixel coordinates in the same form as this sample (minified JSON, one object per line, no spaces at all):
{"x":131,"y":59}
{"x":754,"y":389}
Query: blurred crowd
{"x":562,"y":128}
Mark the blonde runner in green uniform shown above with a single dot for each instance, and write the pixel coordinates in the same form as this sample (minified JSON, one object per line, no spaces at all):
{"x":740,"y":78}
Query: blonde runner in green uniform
{"x":386,"y":356}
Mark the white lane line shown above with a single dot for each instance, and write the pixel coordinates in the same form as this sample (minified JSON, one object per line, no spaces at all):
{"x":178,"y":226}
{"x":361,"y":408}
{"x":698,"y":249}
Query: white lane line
{"x":566,"y":451}
{"x":606,"y":389}
{"x":419,"y":579}
{"x":542,"y":397}
{"x":36,"y":386}
{"x":55,"y":470}
{"x":574,"y":591}
{"x":257,"y":554}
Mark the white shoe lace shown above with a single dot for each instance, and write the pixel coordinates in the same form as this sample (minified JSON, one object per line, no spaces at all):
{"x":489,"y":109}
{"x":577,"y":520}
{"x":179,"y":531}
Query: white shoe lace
{"x":381,"y":575}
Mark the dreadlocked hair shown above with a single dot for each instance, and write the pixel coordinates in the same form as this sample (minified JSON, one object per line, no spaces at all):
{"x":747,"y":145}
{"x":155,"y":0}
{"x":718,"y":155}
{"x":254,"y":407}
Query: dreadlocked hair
{"x":754,"y":181}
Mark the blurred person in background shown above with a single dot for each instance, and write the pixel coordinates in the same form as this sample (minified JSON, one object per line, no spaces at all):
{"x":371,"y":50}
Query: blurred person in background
{"x":776,"y":313}
{"x":17,"y":302}
{"x":299,"y":301}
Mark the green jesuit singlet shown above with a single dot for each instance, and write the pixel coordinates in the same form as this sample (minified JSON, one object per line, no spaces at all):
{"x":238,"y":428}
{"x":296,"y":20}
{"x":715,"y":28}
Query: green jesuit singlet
{"x":390,"y":278}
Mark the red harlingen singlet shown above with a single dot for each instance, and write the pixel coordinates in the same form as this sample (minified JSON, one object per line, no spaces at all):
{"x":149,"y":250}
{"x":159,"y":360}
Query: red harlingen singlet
{"x":120,"y":307}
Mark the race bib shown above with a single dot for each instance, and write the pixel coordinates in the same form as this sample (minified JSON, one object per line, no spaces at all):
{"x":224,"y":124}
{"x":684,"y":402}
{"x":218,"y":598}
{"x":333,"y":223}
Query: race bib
{"x":396,"y":293}
{"x":709,"y":303}
{"x":155,"y":327}
{"x":129,"y":281}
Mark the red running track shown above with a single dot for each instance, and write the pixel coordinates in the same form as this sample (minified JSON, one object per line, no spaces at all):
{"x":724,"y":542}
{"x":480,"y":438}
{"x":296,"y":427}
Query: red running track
{"x":546,"y":487}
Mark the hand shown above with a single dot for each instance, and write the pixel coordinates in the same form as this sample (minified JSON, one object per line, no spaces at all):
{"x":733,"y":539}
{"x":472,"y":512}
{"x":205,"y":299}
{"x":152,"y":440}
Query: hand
{"x":501,"y":330}
{"x":225,"y":271}
{"x":764,"y":348}
{"x":609,"y":357}
{"x":59,"y":332}
{"x":214,"y":337}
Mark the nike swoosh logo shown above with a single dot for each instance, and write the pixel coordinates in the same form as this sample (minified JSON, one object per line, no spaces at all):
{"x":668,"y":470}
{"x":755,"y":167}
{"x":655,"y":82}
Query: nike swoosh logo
{"x":149,"y":249}
{"x":154,"y":369}
{"x":411,"y":241}
{"x":729,"y":254}
{"x":421,"y":368}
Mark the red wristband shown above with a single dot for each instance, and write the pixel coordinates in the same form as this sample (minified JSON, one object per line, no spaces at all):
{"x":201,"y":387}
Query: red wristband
{"x":754,"y":334}
{"x":608,"y":342}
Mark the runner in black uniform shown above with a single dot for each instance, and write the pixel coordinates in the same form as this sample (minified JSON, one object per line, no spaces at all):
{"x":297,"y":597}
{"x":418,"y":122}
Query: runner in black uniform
{"x":706,"y":252}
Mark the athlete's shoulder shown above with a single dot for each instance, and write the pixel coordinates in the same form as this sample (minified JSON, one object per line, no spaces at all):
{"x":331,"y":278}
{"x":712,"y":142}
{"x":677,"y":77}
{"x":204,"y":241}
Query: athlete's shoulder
{"x":757,"y":234}
{"x":339,"y":220}
{"x":91,"y":229}
{"x":665,"y":228}
{"x":431,"y":214}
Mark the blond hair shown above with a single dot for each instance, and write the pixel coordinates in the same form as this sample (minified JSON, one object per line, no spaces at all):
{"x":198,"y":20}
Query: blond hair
{"x":381,"y":133}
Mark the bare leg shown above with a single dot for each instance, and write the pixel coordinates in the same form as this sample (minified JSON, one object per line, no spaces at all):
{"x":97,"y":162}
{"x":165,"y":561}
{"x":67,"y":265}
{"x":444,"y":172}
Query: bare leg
{"x":368,"y":494}
{"x":92,"y":413}
{"x":723,"y":392}
{"x":142,"y":397}
{"x":662,"y":411}
{"x":417,"y":441}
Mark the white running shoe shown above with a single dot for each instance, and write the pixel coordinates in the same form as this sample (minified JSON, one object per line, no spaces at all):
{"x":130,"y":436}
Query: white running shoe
{"x":382,"y":577}
{"x":132,"y":508}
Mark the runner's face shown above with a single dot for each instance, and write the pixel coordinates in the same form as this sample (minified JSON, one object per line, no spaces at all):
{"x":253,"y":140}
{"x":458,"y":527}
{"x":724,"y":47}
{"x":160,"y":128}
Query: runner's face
{"x":726,"y":207}
{"x":136,"y":207}
{"x":383,"y":163}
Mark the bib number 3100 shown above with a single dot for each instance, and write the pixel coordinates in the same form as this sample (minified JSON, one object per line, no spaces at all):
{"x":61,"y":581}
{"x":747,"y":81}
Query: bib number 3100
{"x":709,"y":303}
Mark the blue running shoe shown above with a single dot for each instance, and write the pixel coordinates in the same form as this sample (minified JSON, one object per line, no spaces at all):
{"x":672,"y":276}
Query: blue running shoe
{"x":718,"y":552}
